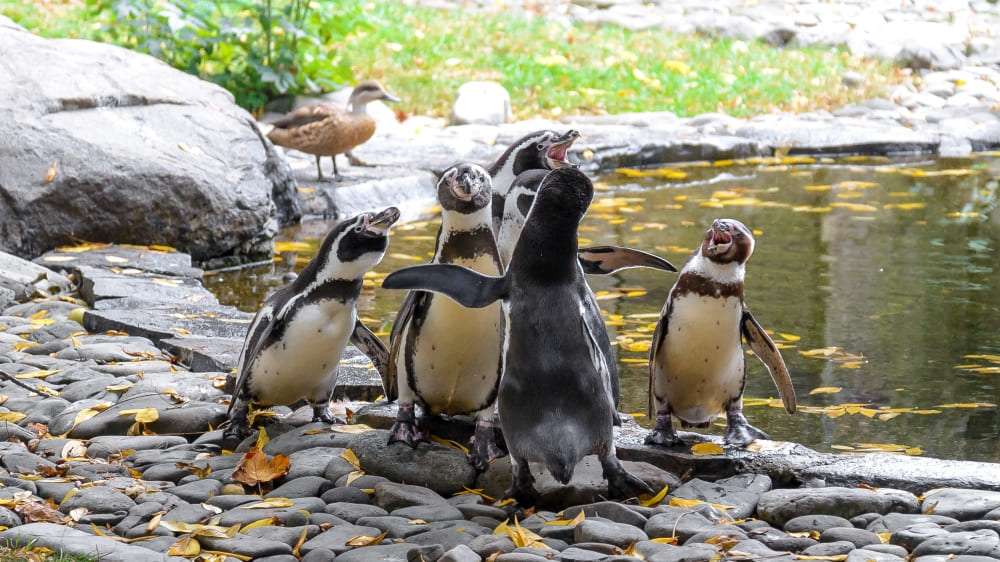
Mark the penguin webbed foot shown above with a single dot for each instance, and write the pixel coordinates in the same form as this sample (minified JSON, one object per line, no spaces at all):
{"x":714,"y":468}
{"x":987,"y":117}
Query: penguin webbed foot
{"x":522,"y":488}
{"x":409,"y":432}
{"x":663,"y":434}
{"x":739,"y":432}
{"x":622,"y":484}
{"x":483,"y":447}
{"x":239,"y":431}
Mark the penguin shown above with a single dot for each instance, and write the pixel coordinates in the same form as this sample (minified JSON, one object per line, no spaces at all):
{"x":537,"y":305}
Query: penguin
{"x":443,"y":356}
{"x":697,"y":366}
{"x":540,"y":150}
{"x":556,"y":397}
{"x":295,"y":341}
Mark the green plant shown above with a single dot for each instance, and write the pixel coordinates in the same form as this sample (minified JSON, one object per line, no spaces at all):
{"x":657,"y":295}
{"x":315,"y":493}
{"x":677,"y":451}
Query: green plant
{"x":257,"y":49}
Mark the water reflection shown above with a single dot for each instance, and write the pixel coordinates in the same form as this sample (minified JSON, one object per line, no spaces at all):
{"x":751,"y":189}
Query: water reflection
{"x":877,"y":277}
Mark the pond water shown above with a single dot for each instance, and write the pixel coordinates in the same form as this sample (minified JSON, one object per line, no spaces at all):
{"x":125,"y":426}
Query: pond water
{"x":878,"y":278}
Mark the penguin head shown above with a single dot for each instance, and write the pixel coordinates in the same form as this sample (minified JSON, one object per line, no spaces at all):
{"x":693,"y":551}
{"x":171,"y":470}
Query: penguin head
{"x":353,"y":246}
{"x":555,"y":156}
{"x":530,"y":152}
{"x":728,"y":241}
{"x":465,"y":188}
{"x":564,"y":196}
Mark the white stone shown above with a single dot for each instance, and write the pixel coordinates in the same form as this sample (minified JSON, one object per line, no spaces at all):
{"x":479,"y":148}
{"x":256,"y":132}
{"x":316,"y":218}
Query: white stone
{"x":483,"y":103}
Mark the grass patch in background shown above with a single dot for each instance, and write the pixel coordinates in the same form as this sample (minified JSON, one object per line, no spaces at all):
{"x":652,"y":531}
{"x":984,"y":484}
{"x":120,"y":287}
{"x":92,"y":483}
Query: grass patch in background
{"x":423,"y":55}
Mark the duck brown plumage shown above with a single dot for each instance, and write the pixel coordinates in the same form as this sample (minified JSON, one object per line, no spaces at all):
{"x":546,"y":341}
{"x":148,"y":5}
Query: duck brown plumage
{"x":326,"y":130}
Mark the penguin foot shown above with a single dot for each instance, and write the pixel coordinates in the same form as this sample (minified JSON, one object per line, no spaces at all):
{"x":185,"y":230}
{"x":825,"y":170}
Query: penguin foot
{"x":663,"y":433}
{"x":664,"y":438}
{"x":739,"y":432}
{"x":483,"y":449}
{"x":407,"y":431}
{"x":622,"y":484}
{"x":522,"y":487}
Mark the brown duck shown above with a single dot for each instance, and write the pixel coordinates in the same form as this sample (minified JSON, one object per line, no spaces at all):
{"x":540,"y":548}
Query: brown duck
{"x":325,"y":130}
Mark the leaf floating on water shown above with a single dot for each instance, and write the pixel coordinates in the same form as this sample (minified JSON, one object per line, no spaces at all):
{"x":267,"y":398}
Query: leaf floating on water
{"x":825,"y":390}
{"x":667,"y":173}
{"x":967,"y":405}
{"x":706,"y":449}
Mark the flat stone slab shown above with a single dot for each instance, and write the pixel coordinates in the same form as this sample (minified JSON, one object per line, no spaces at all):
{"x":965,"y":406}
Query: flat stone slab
{"x":121,"y":256}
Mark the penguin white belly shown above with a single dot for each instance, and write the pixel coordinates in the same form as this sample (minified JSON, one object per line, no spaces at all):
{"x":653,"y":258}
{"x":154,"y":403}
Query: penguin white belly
{"x":303,"y":364}
{"x":700,"y":365}
{"x":457,"y":356}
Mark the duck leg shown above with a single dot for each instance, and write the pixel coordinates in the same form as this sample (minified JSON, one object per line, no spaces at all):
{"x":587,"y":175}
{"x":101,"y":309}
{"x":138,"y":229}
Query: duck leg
{"x":355,"y":161}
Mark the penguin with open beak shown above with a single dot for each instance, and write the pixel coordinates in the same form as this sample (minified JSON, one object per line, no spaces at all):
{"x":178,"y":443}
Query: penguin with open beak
{"x":296,"y":339}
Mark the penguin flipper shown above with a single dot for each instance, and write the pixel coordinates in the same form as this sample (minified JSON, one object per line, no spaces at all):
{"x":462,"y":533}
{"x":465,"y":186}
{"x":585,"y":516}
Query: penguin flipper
{"x":413,"y":301}
{"x":370,"y":344}
{"x":262,"y":326}
{"x":764,"y":348}
{"x":601,"y":260}
{"x":468,"y":288}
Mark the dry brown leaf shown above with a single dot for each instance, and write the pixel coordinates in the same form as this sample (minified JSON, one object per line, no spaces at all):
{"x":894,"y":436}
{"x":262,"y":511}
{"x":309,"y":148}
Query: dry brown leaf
{"x":255,"y":468}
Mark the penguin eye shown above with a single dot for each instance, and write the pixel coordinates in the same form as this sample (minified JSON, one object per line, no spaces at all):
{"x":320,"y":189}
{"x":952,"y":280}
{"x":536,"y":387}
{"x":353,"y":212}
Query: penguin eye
{"x":358,"y":228}
{"x":541,"y":147}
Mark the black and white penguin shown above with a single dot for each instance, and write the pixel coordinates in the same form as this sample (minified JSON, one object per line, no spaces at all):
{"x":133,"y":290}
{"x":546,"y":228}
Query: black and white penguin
{"x":540,"y":150}
{"x":697,"y":366}
{"x":556,"y":396}
{"x":443,"y":356}
{"x":296,"y":339}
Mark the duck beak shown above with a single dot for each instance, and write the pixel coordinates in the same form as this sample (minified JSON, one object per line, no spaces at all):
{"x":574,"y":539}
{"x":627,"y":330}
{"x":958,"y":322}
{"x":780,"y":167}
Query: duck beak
{"x":386,"y":96}
{"x":556,"y":154}
{"x":381,"y":222}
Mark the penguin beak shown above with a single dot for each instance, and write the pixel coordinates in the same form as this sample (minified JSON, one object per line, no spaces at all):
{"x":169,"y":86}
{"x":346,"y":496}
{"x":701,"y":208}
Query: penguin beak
{"x":467,"y":187}
{"x":556,"y":154}
{"x":721,"y":239}
{"x":380,"y":223}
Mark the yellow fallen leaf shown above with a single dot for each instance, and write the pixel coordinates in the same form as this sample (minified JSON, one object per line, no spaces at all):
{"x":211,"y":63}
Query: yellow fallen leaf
{"x":349,"y":456}
{"x":365,"y":540}
{"x":266,"y":522}
{"x":825,"y":390}
{"x":269,"y":503}
{"x":655,"y":500}
{"x":449,"y":443}
{"x":185,"y":546}
{"x":706,"y":449}
{"x":684,"y":502}
{"x":12,"y":417}
{"x":142,"y":415}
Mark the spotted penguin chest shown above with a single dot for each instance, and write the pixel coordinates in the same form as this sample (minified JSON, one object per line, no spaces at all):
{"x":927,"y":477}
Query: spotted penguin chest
{"x":700,"y":365}
{"x":303,"y":362}
{"x":452,"y":360}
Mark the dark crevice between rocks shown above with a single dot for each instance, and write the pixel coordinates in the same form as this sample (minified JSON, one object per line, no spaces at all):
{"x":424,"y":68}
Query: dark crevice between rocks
{"x":101,"y":102}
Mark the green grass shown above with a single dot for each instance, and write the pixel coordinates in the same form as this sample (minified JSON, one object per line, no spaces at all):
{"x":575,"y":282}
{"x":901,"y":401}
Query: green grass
{"x":550,"y":69}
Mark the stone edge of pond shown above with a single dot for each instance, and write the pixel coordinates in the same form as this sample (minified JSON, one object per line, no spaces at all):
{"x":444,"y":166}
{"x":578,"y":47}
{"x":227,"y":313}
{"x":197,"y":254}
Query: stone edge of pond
{"x":212,"y":342}
{"x":409,"y":157}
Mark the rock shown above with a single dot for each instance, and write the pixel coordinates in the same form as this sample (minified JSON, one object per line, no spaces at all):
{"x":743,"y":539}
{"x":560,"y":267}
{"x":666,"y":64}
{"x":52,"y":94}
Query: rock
{"x":124,"y":130}
{"x":779,"y":506}
{"x":393,"y":552}
{"x":254,"y":547}
{"x":60,"y":538}
{"x":618,"y":534}
{"x":612,"y":511}
{"x":310,"y":462}
{"x":24,"y":279}
{"x":352,"y":511}
{"x":447,"y":538}
{"x":913,"y":535}
{"x":396,"y":527}
{"x":302,"y":487}
{"x":306,"y":437}
{"x":893,"y":521}
{"x":975,"y":543}
{"x":961,"y":504}
{"x":346,"y":495}
{"x":744,"y":501}
{"x":676,"y":522}
{"x":865,"y":555}
{"x":190,"y":418}
{"x":391,"y":496}
{"x":442,"y":469}
{"x":836,"y":548}
{"x":481,"y":103}
{"x":819,"y":523}
{"x":858,"y":537}
{"x":197,"y":491}
{"x":460,"y":553}
{"x":99,"y":499}
{"x":334,"y":539}
{"x":429,"y":513}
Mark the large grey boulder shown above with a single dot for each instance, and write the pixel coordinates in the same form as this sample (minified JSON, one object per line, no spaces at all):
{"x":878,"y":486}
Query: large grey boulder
{"x":103,"y":144}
